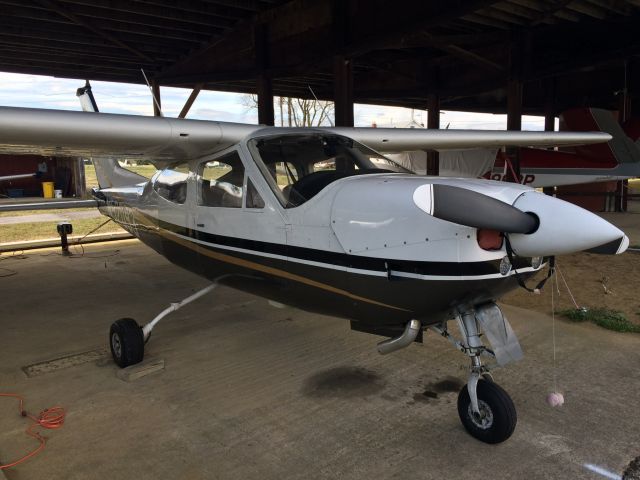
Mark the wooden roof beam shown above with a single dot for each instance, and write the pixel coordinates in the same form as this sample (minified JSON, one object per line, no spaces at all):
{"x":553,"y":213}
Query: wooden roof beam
{"x":587,"y":9}
{"x":67,"y":58}
{"x":618,"y":8}
{"x":487,"y":21}
{"x":249,"y":5}
{"x":127,"y":31}
{"x":61,"y":34}
{"x":568,"y":15}
{"x":381,"y":37}
{"x":514,"y":8}
{"x":550,"y":12}
{"x":229,"y":12}
{"x":74,"y":45}
{"x":173,"y":12}
{"x":60,"y":10}
{"x":190,"y":100}
{"x":16,"y":9}
{"x":497,"y":14}
{"x":462,"y":53}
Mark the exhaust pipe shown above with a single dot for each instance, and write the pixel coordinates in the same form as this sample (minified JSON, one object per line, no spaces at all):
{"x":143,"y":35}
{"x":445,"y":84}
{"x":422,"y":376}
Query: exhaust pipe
{"x":407,"y":338}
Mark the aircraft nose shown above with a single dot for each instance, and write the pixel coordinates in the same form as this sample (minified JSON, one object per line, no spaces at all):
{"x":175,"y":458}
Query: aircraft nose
{"x":612,"y":248}
{"x":564,"y":228}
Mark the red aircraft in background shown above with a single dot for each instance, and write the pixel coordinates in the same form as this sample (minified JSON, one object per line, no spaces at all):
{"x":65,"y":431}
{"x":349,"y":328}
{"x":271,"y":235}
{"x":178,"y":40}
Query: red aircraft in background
{"x":615,"y":160}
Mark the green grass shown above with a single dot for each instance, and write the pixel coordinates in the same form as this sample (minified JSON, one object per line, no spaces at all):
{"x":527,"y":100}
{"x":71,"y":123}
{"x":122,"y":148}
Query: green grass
{"x":55,"y":211}
{"x":23,"y":232}
{"x":603,"y":317}
{"x":91,"y":180}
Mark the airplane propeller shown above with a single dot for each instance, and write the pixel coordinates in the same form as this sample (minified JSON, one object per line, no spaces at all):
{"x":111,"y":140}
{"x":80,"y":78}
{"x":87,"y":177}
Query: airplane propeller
{"x":476,"y":210}
{"x":538,"y":225}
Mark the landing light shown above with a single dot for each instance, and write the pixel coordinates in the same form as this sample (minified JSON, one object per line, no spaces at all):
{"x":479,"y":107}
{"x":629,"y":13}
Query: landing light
{"x":536,"y":262}
{"x":505,"y":266}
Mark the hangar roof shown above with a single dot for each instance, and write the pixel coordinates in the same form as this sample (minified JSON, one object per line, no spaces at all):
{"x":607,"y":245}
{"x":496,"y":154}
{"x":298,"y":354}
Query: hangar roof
{"x":583,"y":51}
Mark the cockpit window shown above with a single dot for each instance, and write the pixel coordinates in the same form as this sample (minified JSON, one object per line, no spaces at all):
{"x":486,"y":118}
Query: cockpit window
{"x":171,"y":183}
{"x":220,"y":182}
{"x":297,"y":167}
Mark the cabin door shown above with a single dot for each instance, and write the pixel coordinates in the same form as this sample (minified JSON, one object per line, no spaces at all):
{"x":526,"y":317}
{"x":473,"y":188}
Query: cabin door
{"x":174,"y":204}
{"x":240,"y":239}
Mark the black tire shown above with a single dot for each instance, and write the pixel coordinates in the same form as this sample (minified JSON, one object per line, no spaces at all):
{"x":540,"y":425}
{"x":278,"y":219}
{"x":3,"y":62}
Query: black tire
{"x":500,"y":417}
{"x":126,"y":341}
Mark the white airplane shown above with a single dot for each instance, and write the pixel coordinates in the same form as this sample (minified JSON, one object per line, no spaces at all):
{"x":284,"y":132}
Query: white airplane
{"x":313,"y":218}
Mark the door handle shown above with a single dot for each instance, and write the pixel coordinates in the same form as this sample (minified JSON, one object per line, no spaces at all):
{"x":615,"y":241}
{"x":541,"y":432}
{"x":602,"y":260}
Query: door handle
{"x":199,"y":224}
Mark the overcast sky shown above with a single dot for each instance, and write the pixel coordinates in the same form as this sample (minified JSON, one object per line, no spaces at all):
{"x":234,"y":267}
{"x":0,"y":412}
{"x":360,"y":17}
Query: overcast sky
{"x":34,"y":91}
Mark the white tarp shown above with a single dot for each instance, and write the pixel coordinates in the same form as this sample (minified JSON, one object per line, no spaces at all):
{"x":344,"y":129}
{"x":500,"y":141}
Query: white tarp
{"x":470,"y":163}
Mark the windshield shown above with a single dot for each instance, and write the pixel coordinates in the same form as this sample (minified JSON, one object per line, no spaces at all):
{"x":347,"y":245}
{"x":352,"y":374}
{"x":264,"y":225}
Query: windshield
{"x":297,"y":166}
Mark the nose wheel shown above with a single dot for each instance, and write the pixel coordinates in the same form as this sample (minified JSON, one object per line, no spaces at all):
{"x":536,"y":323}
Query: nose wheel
{"x":485,"y":409}
{"x":496,"y":417}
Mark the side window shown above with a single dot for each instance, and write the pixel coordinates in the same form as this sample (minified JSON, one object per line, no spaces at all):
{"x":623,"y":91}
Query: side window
{"x":171,"y":183}
{"x":220,"y":182}
{"x":254,"y":200}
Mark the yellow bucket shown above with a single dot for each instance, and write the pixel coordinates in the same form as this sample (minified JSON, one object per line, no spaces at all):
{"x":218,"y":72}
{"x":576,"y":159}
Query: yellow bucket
{"x":47,"y":189}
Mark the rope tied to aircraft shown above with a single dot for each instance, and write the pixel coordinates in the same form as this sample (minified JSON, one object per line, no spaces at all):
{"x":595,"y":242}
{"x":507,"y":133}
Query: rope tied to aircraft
{"x":50,"y":418}
{"x":81,"y":245}
{"x":555,"y":398}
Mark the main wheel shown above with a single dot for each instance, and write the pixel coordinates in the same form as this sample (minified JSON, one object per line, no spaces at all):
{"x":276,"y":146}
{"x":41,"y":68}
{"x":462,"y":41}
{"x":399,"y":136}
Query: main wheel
{"x":497,"y":419}
{"x":126,"y":341}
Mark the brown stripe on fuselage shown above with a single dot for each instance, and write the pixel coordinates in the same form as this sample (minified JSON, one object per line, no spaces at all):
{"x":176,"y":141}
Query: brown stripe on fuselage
{"x":265,"y":269}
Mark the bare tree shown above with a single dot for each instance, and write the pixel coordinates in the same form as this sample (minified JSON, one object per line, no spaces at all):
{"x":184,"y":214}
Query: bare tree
{"x":297,"y":112}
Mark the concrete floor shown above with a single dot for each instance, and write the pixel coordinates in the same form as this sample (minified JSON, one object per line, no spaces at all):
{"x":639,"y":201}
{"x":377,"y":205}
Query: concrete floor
{"x":254,"y":392}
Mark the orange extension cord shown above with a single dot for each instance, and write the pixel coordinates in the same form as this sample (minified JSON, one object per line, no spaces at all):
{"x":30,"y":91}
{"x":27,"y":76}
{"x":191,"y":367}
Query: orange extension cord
{"x":50,"y":418}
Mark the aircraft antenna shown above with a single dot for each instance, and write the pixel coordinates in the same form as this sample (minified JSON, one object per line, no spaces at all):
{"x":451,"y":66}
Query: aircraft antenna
{"x":155,"y":100}
{"x":316,"y":99}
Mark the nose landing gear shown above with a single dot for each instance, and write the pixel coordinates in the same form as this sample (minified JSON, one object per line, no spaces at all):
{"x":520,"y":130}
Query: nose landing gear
{"x":485,"y":409}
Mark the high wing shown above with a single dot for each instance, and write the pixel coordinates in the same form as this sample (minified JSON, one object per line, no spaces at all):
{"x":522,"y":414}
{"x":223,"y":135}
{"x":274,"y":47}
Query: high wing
{"x":160,"y":140}
{"x":408,"y":139}
{"x":163,"y":140}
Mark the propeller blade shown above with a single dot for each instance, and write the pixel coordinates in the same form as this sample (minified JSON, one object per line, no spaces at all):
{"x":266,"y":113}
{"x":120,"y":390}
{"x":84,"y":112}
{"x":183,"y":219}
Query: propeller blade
{"x":473,"y":209}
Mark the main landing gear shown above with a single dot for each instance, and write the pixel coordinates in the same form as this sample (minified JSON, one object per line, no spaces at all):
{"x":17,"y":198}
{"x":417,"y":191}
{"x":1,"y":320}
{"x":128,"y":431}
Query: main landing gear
{"x":486,"y":410}
{"x":127,"y":339}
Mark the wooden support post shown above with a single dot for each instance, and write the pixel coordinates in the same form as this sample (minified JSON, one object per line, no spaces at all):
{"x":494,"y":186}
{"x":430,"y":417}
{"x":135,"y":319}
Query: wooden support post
{"x":433,"y":121}
{"x":343,"y":91}
{"x":549,"y":119}
{"x":157,"y":105}
{"x":190,"y":100}
{"x":514,"y":99}
{"x":342,"y":65}
{"x":549,"y":112}
{"x":264,"y":84}
{"x":266,"y":114}
{"x":624,"y":113}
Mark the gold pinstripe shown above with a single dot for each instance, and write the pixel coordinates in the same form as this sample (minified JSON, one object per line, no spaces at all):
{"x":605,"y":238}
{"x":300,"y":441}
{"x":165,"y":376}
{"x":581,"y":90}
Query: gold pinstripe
{"x":270,"y":270}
